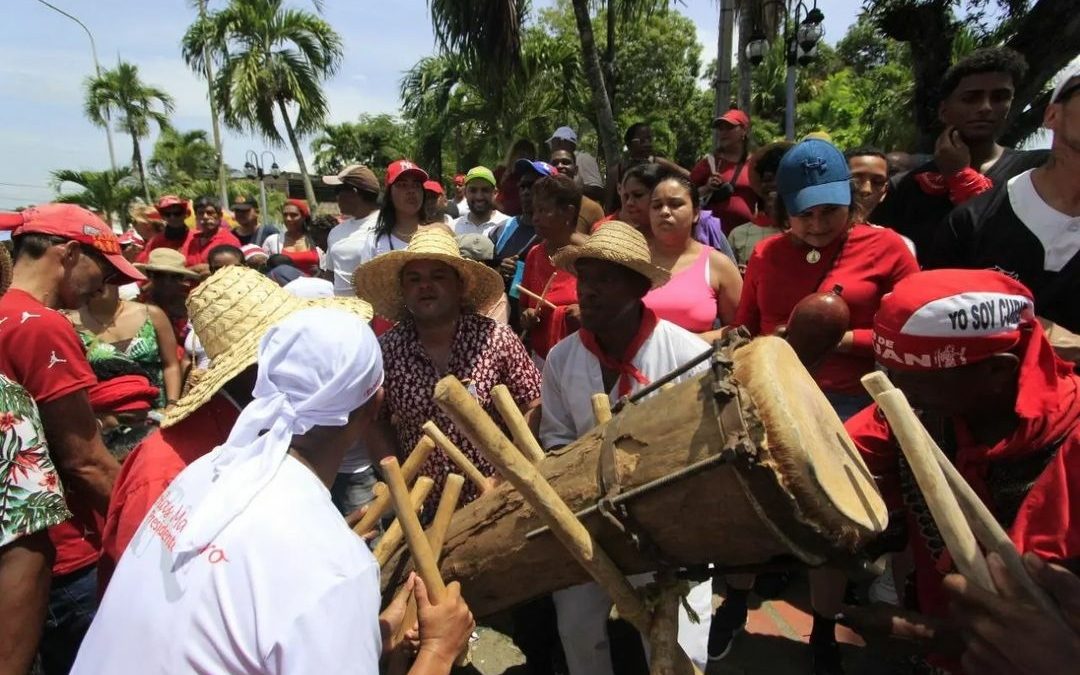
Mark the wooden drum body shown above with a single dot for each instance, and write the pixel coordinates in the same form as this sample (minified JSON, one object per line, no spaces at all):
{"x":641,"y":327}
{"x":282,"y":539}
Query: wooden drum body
{"x":738,"y":466}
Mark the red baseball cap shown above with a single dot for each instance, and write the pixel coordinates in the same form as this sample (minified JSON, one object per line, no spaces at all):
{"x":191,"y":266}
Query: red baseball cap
{"x":401,"y":167}
{"x":459,"y":179}
{"x":734,"y":117}
{"x":170,"y":200}
{"x":434,"y":186}
{"x":69,"y":221}
{"x":126,"y":393}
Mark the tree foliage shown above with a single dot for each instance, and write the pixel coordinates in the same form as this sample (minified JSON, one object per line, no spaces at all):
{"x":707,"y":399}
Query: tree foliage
{"x":374,"y":140}
{"x":107,"y":192}
{"x":182,"y":157}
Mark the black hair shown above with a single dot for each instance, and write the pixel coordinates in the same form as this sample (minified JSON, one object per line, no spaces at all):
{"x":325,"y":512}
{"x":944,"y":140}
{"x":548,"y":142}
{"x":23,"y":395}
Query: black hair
{"x":646,"y":174}
{"x":564,"y":190}
{"x":324,"y":221}
{"x":111,"y":367}
{"x":208,"y":200}
{"x":225,"y":248}
{"x":684,"y":181}
{"x":632,"y":131}
{"x":277,"y":260}
{"x":767,"y":159}
{"x":33,"y":245}
{"x":388,"y":214}
{"x":866,"y":151}
{"x":985,"y":60}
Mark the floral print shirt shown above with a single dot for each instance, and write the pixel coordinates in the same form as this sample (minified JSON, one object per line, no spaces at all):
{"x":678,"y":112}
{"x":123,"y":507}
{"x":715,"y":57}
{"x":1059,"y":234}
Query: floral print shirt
{"x":484,"y":354}
{"x":30,"y":495}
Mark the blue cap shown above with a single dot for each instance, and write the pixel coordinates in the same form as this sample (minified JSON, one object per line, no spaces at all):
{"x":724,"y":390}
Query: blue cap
{"x":535,"y":166}
{"x":563,"y":134}
{"x":812,"y":173}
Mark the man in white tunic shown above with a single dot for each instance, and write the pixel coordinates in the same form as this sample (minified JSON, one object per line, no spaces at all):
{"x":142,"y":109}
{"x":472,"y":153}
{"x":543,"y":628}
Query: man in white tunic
{"x":622,"y":346}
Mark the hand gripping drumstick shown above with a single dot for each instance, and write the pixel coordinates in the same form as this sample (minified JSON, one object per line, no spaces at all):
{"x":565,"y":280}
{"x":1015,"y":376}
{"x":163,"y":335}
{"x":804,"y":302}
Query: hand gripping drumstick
{"x":601,"y":408}
{"x":987,"y":529}
{"x":467,"y":414}
{"x":515,"y":421}
{"x":391,"y":539}
{"x":939,"y":497}
{"x":539,"y":298}
{"x":410,"y":468}
{"x":456,"y":456}
{"x":423,"y":557}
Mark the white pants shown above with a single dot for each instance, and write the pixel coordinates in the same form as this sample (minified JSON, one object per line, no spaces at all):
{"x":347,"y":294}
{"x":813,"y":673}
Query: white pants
{"x":582,"y":613}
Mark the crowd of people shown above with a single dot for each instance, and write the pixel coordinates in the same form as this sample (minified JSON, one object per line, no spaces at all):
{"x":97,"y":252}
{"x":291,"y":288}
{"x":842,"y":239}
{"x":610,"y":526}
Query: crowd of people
{"x":191,"y":418}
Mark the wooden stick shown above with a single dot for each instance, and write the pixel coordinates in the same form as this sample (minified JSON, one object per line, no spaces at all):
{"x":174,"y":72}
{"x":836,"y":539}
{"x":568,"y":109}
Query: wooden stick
{"x":515,"y":421}
{"x":539,"y":298}
{"x":950,"y":520}
{"x":456,"y":456}
{"x":664,"y":632}
{"x":467,"y":414}
{"x":601,"y":408}
{"x":988,"y":531}
{"x":394,"y":534}
{"x":381,"y":503}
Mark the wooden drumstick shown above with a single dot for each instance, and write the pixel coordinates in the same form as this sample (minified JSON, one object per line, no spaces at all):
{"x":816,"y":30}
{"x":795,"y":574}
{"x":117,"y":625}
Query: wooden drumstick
{"x":539,"y":298}
{"x":467,"y":414}
{"x":381,"y":503}
{"x":601,"y":408}
{"x":988,"y":531}
{"x":515,"y":421}
{"x":456,"y":456}
{"x":391,"y":539}
{"x":939,"y":497}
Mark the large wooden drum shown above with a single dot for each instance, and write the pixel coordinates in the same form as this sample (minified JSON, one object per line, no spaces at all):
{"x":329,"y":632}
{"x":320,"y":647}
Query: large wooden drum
{"x":742,"y":465}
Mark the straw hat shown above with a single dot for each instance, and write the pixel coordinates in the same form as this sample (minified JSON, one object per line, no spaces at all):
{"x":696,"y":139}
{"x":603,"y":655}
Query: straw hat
{"x":616,"y":242}
{"x":166,"y":260}
{"x":6,"y":269}
{"x":379,"y":279}
{"x":230,"y":312}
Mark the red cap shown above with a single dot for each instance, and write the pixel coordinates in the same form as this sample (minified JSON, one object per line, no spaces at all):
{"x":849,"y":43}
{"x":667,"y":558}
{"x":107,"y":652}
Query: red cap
{"x":434,"y":186}
{"x":734,"y":117}
{"x":76,"y":223}
{"x":126,"y":393}
{"x":130,"y":237}
{"x":305,"y":209}
{"x":404,"y":166}
{"x":947,"y":318}
{"x":170,"y":200}
{"x":459,"y":179}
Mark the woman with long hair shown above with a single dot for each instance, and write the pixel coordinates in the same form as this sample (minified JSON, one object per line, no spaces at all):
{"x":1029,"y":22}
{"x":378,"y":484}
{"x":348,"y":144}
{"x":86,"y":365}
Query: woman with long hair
{"x":296,"y":241}
{"x":705,"y":285}
{"x":402,"y":212}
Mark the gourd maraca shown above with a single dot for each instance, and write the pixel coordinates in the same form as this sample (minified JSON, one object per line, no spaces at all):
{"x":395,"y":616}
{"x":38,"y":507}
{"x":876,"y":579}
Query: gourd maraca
{"x":817,"y":324}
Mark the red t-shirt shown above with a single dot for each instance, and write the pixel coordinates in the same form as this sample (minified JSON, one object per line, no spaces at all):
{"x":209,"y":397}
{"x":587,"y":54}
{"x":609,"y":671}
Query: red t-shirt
{"x":559,"y":288}
{"x":198,"y":246}
{"x":40,"y":350}
{"x":741,"y":206}
{"x":149,"y":470}
{"x":159,"y":241}
{"x":778,"y":276}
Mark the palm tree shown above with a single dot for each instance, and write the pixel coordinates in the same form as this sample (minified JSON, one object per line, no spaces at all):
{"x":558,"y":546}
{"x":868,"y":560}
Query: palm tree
{"x":107,"y":192}
{"x":268,"y":58}
{"x":119,"y":92}
{"x":182,"y":157}
{"x":375,"y":141}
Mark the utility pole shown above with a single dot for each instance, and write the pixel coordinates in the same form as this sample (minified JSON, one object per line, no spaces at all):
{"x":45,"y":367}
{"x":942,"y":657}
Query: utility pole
{"x":723,"y":60}
{"x":223,"y":179}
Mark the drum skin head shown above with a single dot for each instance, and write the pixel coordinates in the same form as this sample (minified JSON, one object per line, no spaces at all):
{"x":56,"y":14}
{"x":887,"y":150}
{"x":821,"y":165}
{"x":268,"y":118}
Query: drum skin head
{"x":807,"y":445}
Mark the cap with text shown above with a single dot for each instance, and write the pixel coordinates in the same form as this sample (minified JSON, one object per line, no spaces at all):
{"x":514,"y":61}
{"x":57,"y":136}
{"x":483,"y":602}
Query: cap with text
{"x":948,"y":318}
{"x":523,"y":166}
{"x":404,"y":168}
{"x":357,"y":176}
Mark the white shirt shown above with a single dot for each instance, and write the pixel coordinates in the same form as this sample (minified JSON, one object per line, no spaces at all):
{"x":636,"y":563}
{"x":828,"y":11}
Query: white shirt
{"x":1056,"y":231}
{"x":465,"y":224}
{"x":342,"y":254}
{"x":572,"y":375}
{"x":193,"y":346}
{"x":285,"y":588}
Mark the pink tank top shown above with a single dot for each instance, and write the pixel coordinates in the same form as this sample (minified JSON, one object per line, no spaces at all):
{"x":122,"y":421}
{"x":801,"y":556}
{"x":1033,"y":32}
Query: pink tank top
{"x":688,"y":300}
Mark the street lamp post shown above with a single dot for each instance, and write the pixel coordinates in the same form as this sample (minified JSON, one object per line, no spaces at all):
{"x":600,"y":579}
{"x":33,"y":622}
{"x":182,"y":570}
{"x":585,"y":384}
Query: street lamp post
{"x":802,"y":32}
{"x":97,"y":69}
{"x":253,"y":169}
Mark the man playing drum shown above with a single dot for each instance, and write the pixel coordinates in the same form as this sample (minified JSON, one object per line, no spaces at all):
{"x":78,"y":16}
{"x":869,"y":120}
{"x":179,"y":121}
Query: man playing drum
{"x":965,"y":348}
{"x":621,"y":347}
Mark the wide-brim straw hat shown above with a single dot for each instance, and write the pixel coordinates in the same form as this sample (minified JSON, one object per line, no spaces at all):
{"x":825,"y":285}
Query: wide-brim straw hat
{"x":168,"y":261}
{"x":230,"y":313}
{"x":7,"y":269}
{"x":379,"y":280}
{"x":618,"y":243}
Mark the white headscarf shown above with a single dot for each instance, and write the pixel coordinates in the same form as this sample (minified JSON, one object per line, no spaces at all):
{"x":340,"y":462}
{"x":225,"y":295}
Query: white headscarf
{"x":315,"y":368}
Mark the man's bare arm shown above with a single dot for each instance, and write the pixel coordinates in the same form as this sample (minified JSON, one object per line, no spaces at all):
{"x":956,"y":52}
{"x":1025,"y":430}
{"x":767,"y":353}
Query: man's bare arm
{"x":77,"y":449}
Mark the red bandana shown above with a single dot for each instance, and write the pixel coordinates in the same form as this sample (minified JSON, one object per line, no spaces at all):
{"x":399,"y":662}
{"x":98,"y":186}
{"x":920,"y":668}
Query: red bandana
{"x":959,"y":187}
{"x":624,"y":366}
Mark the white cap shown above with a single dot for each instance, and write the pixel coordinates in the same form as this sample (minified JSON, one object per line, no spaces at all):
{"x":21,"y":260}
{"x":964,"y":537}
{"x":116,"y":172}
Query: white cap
{"x":1071,"y":72}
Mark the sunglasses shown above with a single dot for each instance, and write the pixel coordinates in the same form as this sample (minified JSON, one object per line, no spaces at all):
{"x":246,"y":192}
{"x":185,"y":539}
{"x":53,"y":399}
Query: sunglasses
{"x":174,"y":213}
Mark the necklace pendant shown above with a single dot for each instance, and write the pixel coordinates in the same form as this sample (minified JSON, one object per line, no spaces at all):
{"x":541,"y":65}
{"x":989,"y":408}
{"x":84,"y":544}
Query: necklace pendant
{"x":813,"y":256}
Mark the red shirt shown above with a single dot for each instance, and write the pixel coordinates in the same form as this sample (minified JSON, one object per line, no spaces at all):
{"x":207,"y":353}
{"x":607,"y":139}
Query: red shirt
{"x":198,"y":246}
{"x":778,"y":275}
{"x":159,"y":241}
{"x":559,"y":288}
{"x":40,"y":350}
{"x":149,"y":470}
{"x":741,"y":206}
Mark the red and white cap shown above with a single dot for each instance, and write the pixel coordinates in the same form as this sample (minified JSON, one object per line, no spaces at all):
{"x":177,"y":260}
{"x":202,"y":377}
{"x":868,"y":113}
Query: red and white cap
{"x":253,"y":251}
{"x":401,"y":168}
{"x":69,"y":221}
{"x":948,"y":318}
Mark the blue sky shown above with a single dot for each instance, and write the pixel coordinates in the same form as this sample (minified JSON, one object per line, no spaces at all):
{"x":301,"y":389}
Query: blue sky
{"x":45,"y":57}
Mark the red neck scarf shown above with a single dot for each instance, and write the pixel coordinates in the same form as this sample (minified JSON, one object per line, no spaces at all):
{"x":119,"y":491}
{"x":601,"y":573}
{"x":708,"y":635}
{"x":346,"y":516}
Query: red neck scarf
{"x":624,"y":365}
